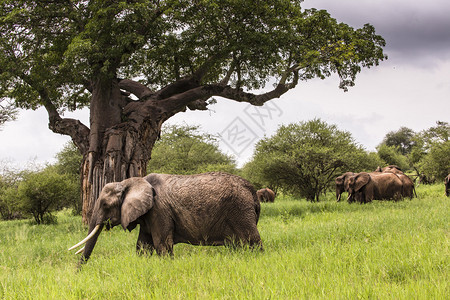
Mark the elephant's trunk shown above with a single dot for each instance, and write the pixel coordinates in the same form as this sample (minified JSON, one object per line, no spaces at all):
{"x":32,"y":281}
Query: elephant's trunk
{"x":90,"y":244}
{"x":90,"y":240}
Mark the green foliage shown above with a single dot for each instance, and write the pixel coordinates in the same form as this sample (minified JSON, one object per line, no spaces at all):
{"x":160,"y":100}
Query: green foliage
{"x":7,"y":111}
{"x":402,"y":139}
{"x":45,"y":191}
{"x":326,"y":250}
{"x":69,"y":164}
{"x":392,"y":156}
{"x":303,"y":158}
{"x":51,"y":49}
{"x":69,"y":160}
{"x":436,"y":164}
{"x":9,"y":205}
{"x":430,"y":154}
{"x":185,"y":150}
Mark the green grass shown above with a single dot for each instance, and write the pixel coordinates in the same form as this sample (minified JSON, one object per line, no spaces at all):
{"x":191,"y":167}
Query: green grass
{"x":326,"y":250}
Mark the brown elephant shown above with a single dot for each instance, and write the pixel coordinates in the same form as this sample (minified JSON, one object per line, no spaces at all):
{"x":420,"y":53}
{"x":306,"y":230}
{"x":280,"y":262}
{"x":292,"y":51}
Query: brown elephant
{"x":408,"y":188}
{"x":265,"y":195}
{"x":391,"y":168}
{"x":203,"y":209}
{"x":447,"y":185}
{"x":365,"y":187}
{"x":342,"y":185}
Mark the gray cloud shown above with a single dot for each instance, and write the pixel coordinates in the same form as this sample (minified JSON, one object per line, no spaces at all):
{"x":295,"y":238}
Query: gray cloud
{"x":415,"y":32}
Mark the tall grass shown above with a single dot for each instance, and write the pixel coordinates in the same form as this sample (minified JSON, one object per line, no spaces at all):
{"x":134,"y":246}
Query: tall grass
{"x":381,"y":250}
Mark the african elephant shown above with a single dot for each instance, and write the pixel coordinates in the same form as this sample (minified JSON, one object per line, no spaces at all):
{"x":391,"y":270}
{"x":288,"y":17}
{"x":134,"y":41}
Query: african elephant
{"x":391,"y":168}
{"x":203,"y":209}
{"x":408,"y":189}
{"x":265,"y":195}
{"x":365,"y":187}
{"x":447,"y":185}
{"x":342,"y":184}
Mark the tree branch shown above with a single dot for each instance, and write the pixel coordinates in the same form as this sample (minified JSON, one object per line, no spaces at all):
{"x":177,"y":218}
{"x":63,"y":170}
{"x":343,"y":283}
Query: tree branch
{"x":71,"y":127}
{"x":189,"y":82}
{"x":139,"y":90}
{"x":202,"y":93}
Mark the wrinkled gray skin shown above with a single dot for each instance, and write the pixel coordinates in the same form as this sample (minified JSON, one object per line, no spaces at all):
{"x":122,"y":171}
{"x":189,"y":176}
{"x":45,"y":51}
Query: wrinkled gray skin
{"x":203,"y":209}
{"x":265,"y":195}
{"x":365,"y":187}
{"x":447,"y":185}
{"x":342,"y":185}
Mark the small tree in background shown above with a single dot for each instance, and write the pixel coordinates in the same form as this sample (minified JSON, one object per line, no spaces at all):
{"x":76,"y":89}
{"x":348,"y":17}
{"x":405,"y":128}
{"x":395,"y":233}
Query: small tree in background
{"x":45,"y":191}
{"x":430,"y":154}
{"x":185,"y":150}
{"x":391,"y":155}
{"x":304,"y":158}
{"x":436,"y":164}
{"x":68,"y":163}
{"x":9,"y":179}
{"x":402,"y":140}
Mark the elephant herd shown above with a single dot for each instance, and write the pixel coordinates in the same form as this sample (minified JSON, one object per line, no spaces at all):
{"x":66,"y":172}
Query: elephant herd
{"x":384,"y":183}
{"x":212,"y":208}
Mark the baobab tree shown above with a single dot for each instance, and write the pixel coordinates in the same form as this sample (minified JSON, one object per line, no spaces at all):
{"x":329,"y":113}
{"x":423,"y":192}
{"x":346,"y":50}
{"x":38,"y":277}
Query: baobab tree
{"x":137,"y":63}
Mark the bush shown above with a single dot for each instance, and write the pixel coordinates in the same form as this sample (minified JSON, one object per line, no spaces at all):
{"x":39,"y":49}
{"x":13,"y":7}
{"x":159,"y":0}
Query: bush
{"x":185,"y":150}
{"x":43,"y":192}
{"x":436,"y":164}
{"x":392,"y":156}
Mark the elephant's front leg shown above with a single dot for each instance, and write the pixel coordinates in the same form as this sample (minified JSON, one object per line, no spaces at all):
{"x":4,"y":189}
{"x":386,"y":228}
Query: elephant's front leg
{"x":144,"y":243}
{"x":164,"y":243}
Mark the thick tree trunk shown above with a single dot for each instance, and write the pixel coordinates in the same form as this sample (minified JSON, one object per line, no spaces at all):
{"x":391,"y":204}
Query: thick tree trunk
{"x":118,"y":149}
{"x":125,"y":155}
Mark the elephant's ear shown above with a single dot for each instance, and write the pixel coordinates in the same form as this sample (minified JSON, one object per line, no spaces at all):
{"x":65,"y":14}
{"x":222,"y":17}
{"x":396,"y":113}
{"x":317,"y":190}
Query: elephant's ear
{"x":361,"y":180}
{"x":138,"y":197}
{"x":339,"y":180}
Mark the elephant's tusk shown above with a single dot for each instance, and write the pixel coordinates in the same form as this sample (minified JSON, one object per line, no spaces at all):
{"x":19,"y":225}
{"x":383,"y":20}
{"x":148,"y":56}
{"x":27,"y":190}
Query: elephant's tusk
{"x":86,"y":239}
{"x":348,"y":197}
{"x":79,"y":251}
{"x":339,"y":198}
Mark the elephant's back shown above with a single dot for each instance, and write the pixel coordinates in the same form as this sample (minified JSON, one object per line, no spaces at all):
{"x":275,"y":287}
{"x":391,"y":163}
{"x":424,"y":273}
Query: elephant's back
{"x":207,"y":186}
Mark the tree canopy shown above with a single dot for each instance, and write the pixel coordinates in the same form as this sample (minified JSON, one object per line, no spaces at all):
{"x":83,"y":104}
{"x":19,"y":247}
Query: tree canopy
{"x":402,"y":139}
{"x":53,"y":50}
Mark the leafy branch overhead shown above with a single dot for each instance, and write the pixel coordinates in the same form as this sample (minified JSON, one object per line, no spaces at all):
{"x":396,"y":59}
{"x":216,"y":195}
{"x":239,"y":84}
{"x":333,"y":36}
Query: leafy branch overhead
{"x":177,"y":53}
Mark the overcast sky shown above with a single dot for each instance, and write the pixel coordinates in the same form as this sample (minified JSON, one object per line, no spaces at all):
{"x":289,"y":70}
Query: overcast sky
{"x":411,"y":88}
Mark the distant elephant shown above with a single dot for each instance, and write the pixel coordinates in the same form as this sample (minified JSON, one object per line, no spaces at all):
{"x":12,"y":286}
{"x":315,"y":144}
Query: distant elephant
{"x":265,"y":195}
{"x":342,"y":185}
{"x":365,"y":187}
{"x":408,"y":188}
{"x":447,"y":185}
{"x":204,"y":209}
{"x":391,"y":168}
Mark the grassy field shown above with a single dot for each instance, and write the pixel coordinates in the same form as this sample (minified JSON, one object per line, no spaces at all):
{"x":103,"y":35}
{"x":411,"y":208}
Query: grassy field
{"x":328,"y":250}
